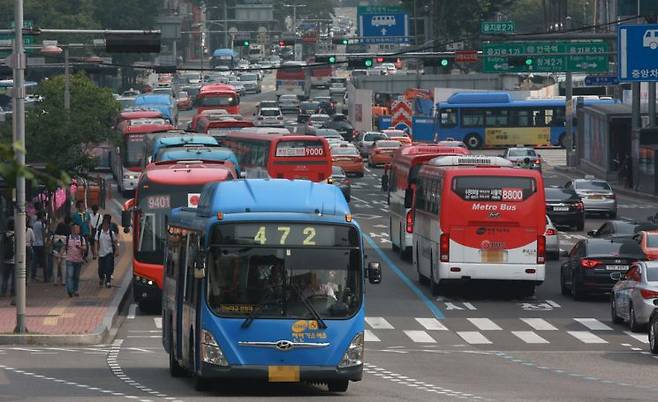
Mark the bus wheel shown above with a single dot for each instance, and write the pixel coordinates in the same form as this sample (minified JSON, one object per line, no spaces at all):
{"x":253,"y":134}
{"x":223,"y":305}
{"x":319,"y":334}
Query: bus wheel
{"x":174,"y":368}
{"x":434,"y":287}
{"x":473,"y":141}
{"x":338,"y":386}
{"x":390,"y":230}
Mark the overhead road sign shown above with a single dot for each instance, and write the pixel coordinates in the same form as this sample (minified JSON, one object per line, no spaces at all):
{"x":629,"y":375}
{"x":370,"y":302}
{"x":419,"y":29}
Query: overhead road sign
{"x":638,"y":53}
{"x":601,"y":80}
{"x":545,"y":56}
{"x":382,"y":24}
{"x":497,"y":27}
{"x":466,"y":56}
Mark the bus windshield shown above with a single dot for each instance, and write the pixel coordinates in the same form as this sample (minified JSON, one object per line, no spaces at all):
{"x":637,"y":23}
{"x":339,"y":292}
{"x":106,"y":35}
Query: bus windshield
{"x":134,"y":150}
{"x":277,"y":267}
{"x":218,"y":100}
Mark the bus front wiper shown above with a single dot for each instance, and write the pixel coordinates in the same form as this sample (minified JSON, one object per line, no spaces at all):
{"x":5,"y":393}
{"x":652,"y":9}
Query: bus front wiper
{"x":254,"y":313}
{"x":309,"y":307}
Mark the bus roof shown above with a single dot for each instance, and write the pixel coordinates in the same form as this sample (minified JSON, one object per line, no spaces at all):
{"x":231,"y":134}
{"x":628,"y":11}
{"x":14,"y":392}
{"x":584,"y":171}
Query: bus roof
{"x":153,"y":99}
{"x":186,"y":172}
{"x":139,"y":114}
{"x":184,"y":139}
{"x":503,"y":99}
{"x":258,"y":136}
{"x":203,"y":153}
{"x":273,"y":195}
{"x":212,"y":88}
{"x":471,"y":161}
{"x":146,"y":128}
{"x":425,"y":149}
{"x":224,"y":52}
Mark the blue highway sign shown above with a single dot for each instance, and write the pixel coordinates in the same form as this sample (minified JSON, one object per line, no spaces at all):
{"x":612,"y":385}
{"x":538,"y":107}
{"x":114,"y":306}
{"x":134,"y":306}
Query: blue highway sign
{"x":383,"y":24}
{"x":601,"y":80}
{"x":638,"y":53}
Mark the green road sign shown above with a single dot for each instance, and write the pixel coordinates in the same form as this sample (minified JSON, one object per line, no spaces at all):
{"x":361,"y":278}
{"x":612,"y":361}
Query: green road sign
{"x":581,"y":56}
{"x":497,"y":27}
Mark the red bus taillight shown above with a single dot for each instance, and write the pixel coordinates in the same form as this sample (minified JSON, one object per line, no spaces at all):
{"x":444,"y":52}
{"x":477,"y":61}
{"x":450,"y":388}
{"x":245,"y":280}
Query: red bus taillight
{"x":541,"y":249}
{"x":410,"y":221}
{"x":444,"y":247}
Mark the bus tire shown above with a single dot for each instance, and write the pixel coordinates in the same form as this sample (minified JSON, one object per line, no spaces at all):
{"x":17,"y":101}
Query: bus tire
{"x":473,"y":141}
{"x":434,"y":287}
{"x":395,"y":248}
{"x":422,"y":279}
{"x":338,"y":385}
{"x":175,"y":369}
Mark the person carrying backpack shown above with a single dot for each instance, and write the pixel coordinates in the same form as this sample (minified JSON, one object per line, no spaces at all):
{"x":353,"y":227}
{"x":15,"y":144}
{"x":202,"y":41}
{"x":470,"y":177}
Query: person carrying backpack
{"x":8,"y":252}
{"x":95,"y":223}
{"x":76,"y":247}
{"x":107,"y":248}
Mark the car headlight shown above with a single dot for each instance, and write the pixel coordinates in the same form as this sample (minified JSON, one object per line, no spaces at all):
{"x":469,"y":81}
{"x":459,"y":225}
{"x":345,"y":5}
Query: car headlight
{"x":354,"y":354}
{"x":210,"y":351}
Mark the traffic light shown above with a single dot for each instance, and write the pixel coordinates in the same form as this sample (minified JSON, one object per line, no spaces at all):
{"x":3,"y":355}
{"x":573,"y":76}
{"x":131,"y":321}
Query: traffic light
{"x":132,"y":43}
{"x":286,"y":42}
{"x":520,"y":62}
{"x":340,"y":41}
{"x":327,"y":58}
{"x":245,"y":43}
{"x":164,"y":69}
{"x":387,"y":59}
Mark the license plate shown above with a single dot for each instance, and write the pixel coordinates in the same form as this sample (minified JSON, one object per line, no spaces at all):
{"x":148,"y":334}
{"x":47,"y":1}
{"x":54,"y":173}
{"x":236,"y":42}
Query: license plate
{"x":560,"y":209}
{"x":616,"y":267}
{"x":493,"y":256}
{"x":283,"y":373}
{"x":595,"y":197}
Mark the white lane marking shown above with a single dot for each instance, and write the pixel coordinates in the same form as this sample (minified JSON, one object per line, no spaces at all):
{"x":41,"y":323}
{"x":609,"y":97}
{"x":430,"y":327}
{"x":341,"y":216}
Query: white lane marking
{"x":144,"y":336}
{"x":539,"y":324}
{"x":470,"y":306}
{"x":131,"y":311}
{"x":593,"y":324}
{"x":640,"y":337}
{"x":474,"y":337}
{"x":158,"y":322}
{"x":420,"y":336}
{"x":378,"y":323}
{"x":586,"y":337}
{"x":485,"y":324}
{"x":370,"y":337}
{"x":431,"y":324}
{"x":367,"y":170}
{"x":552,"y":303}
{"x":529,"y":337}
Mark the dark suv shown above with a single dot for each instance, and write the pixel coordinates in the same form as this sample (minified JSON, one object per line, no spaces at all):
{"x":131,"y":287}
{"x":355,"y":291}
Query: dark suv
{"x":564,"y":207}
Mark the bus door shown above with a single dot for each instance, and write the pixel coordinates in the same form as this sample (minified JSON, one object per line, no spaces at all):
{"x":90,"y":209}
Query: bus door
{"x":180,"y":288}
{"x":189,"y":301}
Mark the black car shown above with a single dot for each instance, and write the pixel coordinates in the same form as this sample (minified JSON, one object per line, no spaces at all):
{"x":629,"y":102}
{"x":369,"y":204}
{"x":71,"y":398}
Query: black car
{"x":339,"y":179}
{"x":340,"y":123}
{"x":306,"y":109}
{"x":595,"y":265}
{"x":564,"y":207}
{"x":619,"y":228}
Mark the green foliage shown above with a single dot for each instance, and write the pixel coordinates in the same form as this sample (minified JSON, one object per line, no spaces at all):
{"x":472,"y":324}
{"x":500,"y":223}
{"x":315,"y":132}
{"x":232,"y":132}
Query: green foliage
{"x":126,"y":14}
{"x":49,"y":176}
{"x":61,"y":139}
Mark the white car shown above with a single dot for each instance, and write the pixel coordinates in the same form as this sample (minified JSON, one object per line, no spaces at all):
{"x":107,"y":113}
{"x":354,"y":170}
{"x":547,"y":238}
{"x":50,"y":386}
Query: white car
{"x":269,"y":116}
{"x":318,"y":120}
{"x":390,"y":68}
{"x":552,"y":240}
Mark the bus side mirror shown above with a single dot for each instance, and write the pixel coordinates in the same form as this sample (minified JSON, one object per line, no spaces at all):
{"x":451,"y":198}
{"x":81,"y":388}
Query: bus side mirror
{"x":374,"y":273}
{"x":199,"y":268}
{"x":408,"y":198}
{"x":126,"y":216}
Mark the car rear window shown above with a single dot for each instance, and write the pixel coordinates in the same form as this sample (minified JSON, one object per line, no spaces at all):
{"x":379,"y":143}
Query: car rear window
{"x":560,"y":194}
{"x":522,"y":152}
{"x":270,"y":112}
{"x":388,"y":144}
{"x":493,"y":188}
{"x":592,"y":185}
{"x":652,"y":274}
{"x":344,"y":151}
{"x":627,"y":248}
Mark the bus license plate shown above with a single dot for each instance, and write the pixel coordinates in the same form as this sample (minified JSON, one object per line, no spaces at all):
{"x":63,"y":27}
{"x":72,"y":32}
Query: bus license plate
{"x":495,"y":256}
{"x":283,"y":373}
{"x":616,"y":267}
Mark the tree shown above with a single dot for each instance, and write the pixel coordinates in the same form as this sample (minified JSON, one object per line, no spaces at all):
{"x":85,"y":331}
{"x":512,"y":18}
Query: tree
{"x":61,"y":138}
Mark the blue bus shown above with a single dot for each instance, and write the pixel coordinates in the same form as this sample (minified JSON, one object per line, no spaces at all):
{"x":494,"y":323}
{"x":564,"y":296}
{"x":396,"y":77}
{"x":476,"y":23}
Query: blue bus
{"x":198,"y":153}
{"x":177,"y":139}
{"x":224,"y":58}
{"x":493,"y":119}
{"x":265,"y":281}
{"x":165,"y":104}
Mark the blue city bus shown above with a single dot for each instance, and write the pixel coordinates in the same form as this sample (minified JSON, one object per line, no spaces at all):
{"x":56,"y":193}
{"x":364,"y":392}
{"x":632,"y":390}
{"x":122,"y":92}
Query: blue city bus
{"x":165,"y":104}
{"x":493,"y":119}
{"x":200,"y":153}
{"x":176,"y":139}
{"x":265,"y":281}
{"x":224,"y":58}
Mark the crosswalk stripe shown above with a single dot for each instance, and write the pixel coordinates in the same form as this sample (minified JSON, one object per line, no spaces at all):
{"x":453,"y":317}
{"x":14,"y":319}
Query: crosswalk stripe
{"x":593,"y":324}
{"x":158,"y":322}
{"x":539,"y":324}
{"x":485,"y":324}
{"x":586,"y":337}
{"x":640,"y":337}
{"x":529,"y":337}
{"x":420,"y":336}
{"x":431,"y":324}
{"x":370,"y":337}
{"x":474,"y":337}
{"x":378,"y":323}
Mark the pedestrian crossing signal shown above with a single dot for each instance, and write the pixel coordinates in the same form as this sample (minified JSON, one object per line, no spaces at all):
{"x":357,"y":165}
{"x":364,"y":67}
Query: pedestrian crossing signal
{"x":366,"y":62}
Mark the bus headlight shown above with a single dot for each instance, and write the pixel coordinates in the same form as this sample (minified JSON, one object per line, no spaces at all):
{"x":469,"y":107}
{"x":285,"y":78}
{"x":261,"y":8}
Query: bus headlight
{"x":354,"y":354}
{"x":210,"y":351}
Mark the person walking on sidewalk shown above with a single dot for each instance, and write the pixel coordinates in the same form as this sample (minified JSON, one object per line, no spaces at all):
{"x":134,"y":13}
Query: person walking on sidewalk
{"x":75,"y":247}
{"x":81,"y":218}
{"x":39,"y":251}
{"x":29,"y":250}
{"x":95,"y":219}
{"x":62,"y":231}
{"x":8,"y":245}
{"x":107,"y":249}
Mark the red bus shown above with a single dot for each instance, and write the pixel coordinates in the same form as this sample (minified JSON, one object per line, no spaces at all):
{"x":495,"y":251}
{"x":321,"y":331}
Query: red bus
{"x":293,"y":78}
{"x":218,"y":126}
{"x":127,"y":159}
{"x":218,"y":96}
{"x":280,"y":156}
{"x":162,"y":186}
{"x":401,"y":184}
{"x":320,"y":74}
{"x":478,"y":217}
{"x":134,"y":114}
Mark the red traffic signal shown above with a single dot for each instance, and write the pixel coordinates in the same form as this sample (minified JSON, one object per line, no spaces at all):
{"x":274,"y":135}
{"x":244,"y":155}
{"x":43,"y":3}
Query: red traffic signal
{"x":379,"y":59}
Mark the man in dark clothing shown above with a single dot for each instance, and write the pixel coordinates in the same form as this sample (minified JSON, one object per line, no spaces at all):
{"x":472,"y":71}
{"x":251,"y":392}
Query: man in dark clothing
{"x":8,"y":251}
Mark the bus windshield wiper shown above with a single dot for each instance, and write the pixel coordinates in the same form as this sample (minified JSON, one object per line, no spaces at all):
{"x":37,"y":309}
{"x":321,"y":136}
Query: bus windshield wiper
{"x":254,"y":313}
{"x":309,"y":307}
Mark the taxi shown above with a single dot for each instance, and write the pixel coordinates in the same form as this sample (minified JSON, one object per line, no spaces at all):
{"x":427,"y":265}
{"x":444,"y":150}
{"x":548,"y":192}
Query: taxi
{"x":648,"y":243}
{"x":347,"y":157}
{"x":382,"y":151}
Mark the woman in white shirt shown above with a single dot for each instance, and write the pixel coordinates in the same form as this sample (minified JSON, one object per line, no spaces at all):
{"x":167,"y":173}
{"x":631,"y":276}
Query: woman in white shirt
{"x":107,"y":247}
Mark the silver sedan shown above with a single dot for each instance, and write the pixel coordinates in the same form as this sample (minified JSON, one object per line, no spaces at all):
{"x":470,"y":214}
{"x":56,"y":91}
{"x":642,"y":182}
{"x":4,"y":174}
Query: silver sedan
{"x":597,"y":195}
{"x":552,"y":240}
{"x":634,"y":295}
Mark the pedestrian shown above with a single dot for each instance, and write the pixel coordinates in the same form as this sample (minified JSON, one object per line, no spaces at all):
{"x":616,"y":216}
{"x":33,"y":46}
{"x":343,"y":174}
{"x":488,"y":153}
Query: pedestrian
{"x":29,"y":249}
{"x":39,"y":251}
{"x":95,"y":219}
{"x":76,"y":246}
{"x":81,"y":218}
{"x":8,"y":251}
{"x":384,"y":182}
{"x":107,"y":249}
{"x":62,"y":231}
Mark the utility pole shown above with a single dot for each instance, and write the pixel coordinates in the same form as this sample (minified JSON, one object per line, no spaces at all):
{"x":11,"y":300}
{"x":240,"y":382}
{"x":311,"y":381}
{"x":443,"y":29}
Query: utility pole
{"x":294,"y":14}
{"x":416,"y":43}
{"x":568,"y":91}
{"x":18,"y":93}
{"x":67,"y":81}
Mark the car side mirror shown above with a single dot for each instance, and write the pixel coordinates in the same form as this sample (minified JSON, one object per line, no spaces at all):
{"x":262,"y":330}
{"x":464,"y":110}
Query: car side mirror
{"x":591,"y":233}
{"x":408,"y":198}
{"x":374,"y":273}
{"x":126,"y":216}
{"x":615,"y":276}
{"x":564,"y":253}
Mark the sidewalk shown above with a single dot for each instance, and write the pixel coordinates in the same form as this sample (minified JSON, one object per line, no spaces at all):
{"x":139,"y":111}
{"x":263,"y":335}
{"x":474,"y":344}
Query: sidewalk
{"x":54,"y":318}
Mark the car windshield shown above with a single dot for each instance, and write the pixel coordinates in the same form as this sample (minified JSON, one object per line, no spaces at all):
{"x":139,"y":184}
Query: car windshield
{"x":264,"y":104}
{"x":599,"y":185}
{"x":288,"y":99}
{"x":328,"y":132}
{"x":344,"y":151}
{"x":375,"y":137}
{"x":522,"y":152}
{"x":652,"y":240}
{"x":276,"y":267}
{"x":310,"y":106}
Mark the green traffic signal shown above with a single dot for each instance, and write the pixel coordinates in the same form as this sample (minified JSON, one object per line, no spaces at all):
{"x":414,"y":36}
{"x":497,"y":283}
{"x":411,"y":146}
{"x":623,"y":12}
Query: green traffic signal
{"x":367,"y":62}
{"x":332,"y":59}
{"x":245,"y":43}
{"x":528,"y":62}
{"x":344,"y":41}
{"x":444,"y":62}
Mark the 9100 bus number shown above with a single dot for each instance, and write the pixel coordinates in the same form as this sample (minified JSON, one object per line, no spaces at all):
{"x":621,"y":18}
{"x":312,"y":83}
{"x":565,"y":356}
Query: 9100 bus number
{"x":512,"y":194}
